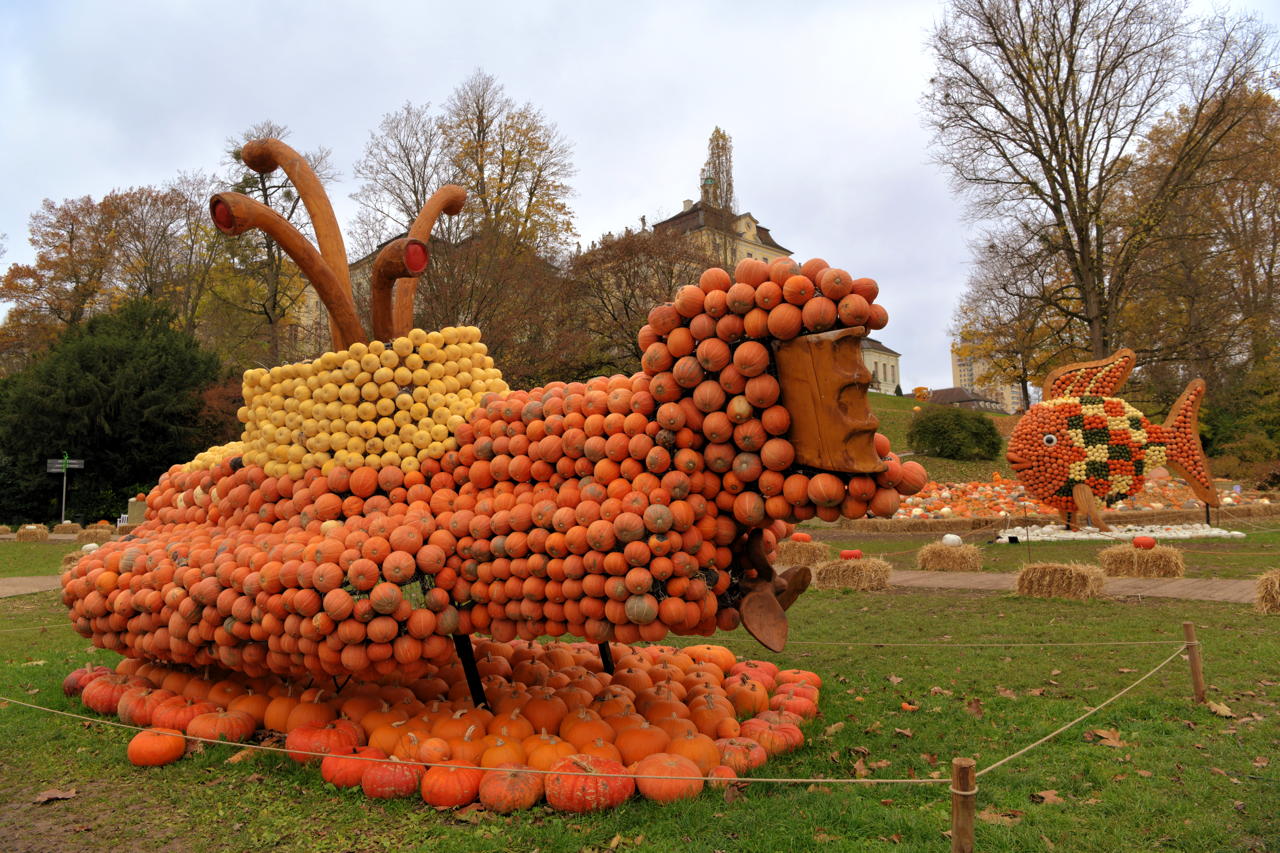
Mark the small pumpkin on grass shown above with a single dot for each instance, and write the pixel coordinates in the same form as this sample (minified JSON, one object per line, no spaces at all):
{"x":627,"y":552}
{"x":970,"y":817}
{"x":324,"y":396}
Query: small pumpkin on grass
{"x":156,"y":747}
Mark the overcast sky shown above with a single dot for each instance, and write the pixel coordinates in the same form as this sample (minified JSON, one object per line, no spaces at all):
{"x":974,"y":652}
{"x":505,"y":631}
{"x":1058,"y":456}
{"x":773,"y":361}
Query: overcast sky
{"x":822,"y":101}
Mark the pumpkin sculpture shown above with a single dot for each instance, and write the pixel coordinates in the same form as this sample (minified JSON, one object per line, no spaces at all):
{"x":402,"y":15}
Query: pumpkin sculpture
{"x":1081,"y":449}
{"x":394,"y":494}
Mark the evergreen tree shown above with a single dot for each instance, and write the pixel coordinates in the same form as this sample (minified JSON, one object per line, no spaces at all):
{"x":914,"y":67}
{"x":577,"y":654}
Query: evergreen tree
{"x":122,"y":392}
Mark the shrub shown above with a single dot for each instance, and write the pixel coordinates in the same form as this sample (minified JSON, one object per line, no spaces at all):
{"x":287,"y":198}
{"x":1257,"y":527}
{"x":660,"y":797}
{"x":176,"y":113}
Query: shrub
{"x":954,"y":433}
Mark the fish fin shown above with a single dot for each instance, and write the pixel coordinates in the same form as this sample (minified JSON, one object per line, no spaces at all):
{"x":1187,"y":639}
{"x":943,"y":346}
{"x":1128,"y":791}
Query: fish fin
{"x":764,"y":618}
{"x":1183,"y":451}
{"x":1100,"y":378}
{"x":1087,"y":503}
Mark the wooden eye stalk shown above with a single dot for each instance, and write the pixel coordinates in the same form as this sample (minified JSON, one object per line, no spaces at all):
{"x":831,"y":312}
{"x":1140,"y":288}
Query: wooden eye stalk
{"x":395,"y":270}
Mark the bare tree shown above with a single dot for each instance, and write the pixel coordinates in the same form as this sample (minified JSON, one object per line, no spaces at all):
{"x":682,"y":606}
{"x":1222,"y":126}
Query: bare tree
{"x":403,"y":163}
{"x":619,"y":279}
{"x":1000,"y":321}
{"x":1039,"y":108}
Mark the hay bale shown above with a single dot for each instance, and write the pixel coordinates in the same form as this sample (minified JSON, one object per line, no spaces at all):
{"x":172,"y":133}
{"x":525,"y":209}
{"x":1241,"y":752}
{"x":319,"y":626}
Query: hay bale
{"x":5,"y":530}
{"x":96,"y":535}
{"x":1127,"y":561}
{"x":863,"y":575}
{"x":792,"y":553}
{"x":1268,"y":600}
{"x":70,"y":558}
{"x":66,"y":528}
{"x":1060,"y":580}
{"x":936,"y":557}
{"x":33,"y":533}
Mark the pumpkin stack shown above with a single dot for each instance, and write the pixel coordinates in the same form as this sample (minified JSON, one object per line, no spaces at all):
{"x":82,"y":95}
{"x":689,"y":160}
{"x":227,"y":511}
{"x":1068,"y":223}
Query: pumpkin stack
{"x":387,"y":496}
{"x":666,"y":722}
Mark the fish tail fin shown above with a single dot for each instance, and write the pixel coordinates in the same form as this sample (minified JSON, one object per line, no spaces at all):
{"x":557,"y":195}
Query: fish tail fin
{"x":1182,"y":429}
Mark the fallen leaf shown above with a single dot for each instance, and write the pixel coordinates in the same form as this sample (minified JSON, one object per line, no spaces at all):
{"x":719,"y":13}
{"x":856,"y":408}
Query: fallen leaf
{"x":974,"y":706}
{"x":255,"y":777}
{"x":1006,"y":692}
{"x":880,"y":765}
{"x":35,"y":663}
{"x":1056,"y":672}
{"x":893,"y":679}
{"x":907,"y":706}
{"x":1239,"y":806}
{"x":938,"y":691}
{"x":860,"y":770}
{"x":735,"y":792}
{"x":929,"y":758}
{"x":1106,"y":737}
{"x":819,"y":789}
{"x":1036,"y":691}
{"x":1046,"y":797}
{"x":873,"y":728}
{"x":824,"y":838}
{"x":1011,"y":817}
{"x":1220,"y":709}
{"x":1261,"y":761}
{"x":903,"y":732}
{"x":886,"y":802}
{"x":1048,"y":845}
{"x":242,"y":755}
{"x":1125,"y":669}
{"x":33,"y":691}
{"x":1145,"y":774}
{"x":54,"y":794}
{"x":832,"y":729}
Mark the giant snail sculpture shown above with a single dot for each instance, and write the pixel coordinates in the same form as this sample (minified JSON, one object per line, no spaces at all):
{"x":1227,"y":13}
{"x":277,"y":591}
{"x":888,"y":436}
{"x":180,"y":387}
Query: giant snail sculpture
{"x":622,"y":508}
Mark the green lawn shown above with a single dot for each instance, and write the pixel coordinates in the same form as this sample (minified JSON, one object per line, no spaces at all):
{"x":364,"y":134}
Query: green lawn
{"x":27,"y":559}
{"x":895,"y":416}
{"x":1179,"y":778}
{"x":1205,"y":558}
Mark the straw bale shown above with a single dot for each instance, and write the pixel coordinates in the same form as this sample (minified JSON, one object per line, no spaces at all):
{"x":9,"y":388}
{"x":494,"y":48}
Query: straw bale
{"x":863,"y":575}
{"x":1268,"y":600}
{"x":1127,"y":561}
{"x":97,"y":535}
{"x":792,"y":553}
{"x":5,"y":530}
{"x":1060,"y":580}
{"x":66,"y":527}
{"x":70,"y":558}
{"x":33,"y":533}
{"x":936,"y":557}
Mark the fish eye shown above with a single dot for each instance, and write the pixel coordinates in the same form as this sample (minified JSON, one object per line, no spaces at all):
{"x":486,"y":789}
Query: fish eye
{"x":1050,"y":439}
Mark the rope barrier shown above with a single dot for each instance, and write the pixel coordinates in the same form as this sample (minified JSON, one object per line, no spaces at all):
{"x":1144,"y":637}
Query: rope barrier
{"x":531,"y":770}
{"x":1182,"y":646}
{"x":1083,"y":716}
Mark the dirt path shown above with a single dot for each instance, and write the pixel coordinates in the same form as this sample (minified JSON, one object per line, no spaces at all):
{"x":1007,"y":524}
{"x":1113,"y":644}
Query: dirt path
{"x":27,"y":585}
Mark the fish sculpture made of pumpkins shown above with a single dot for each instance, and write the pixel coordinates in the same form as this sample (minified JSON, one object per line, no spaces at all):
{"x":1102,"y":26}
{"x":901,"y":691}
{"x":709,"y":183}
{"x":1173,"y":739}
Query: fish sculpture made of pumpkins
{"x":1082,"y":448}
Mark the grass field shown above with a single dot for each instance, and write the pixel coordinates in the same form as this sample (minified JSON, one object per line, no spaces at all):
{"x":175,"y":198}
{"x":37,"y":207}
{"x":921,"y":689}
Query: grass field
{"x":1174,"y":776}
{"x":895,"y":416}
{"x":27,"y":559}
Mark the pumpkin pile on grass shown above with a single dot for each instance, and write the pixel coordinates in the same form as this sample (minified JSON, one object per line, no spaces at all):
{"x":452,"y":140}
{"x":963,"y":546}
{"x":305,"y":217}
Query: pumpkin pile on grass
{"x":666,"y":722}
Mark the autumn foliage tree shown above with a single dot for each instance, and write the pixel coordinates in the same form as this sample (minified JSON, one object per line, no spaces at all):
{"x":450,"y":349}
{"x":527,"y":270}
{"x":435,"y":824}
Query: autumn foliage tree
{"x":1040,"y":110}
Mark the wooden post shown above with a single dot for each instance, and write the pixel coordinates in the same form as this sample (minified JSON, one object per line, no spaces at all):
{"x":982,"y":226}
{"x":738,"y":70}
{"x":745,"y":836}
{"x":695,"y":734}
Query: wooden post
{"x":467,"y":656}
{"x":1193,"y":657}
{"x":964,"y":795}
